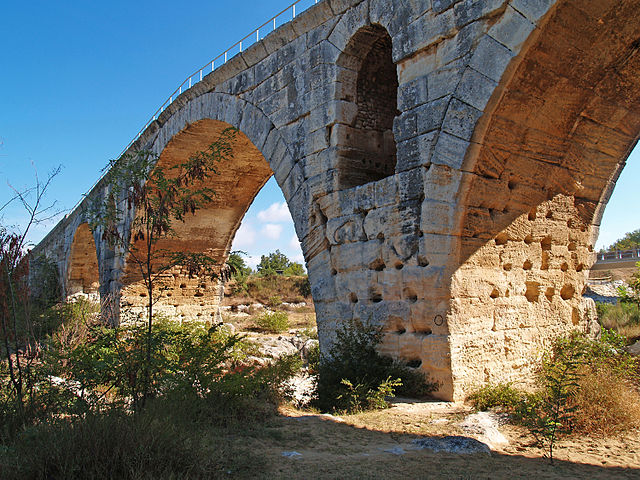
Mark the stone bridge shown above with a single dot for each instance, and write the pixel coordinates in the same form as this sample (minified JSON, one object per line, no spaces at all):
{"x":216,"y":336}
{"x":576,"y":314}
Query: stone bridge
{"x":446,"y":164}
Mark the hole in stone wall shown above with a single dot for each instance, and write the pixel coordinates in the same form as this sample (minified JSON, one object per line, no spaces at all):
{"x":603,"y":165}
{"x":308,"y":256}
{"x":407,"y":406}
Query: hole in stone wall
{"x":532,"y":214}
{"x":507,"y":267}
{"x":494,"y":293}
{"x":550,"y":293}
{"x":183,"y":285}
{"x":575,"y":316}
{"x":367,"y":147}
{"x":377,"y":265}
{"x":533,"y":291}
{"x":511,"y":184}
{"x":399,"y":265}
{"x":580,"y":267}
{"x":410,"y":295}
{"x":528,"y":239}
{"x":353,"y":298}
{"x":400,"y":331}
{"x":544,"y":265}
{"x":374,"y":295}
{"x":527,"y":265}
{"x":567,"y":292}
{"x":564,"y":267}
{"x":572,"y":246}
{"x":545,"y":243}
{"x":423,"y":261}
{"x":334,"y":271}
{"x":549,"y":215}
{"x":501,"y":239}
{"x":415,"y":363}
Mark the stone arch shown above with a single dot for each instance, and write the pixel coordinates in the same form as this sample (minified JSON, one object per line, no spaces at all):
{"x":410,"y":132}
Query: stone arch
{"x":543,"y":160}
{"x":212,"y":229}
{"x":366,"y":146}
{"x":82,"y":269}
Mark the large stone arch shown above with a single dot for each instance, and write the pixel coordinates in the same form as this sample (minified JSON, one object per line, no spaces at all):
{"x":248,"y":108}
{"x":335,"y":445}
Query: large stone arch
{"x":541,"y":165}
{"x":82,"y":270}
{"x":192,"y":129}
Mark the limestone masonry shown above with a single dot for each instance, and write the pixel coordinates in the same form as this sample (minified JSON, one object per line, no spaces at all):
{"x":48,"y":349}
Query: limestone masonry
{"x":446,"y":164}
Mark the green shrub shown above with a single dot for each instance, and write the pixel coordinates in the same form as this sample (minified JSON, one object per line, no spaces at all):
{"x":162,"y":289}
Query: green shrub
{"x":353,"y":370}
{"x":273,"y":322}
{"x":623,"y":317}
{"x":501,"y":395}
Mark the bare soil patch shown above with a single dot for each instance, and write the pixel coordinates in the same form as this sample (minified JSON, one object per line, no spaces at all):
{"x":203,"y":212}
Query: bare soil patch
{"x":380,"y":445}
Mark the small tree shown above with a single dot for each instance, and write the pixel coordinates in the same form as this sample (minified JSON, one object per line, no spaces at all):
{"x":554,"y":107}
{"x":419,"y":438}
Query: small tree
{"x":17,"y":332}
{"x":158,"y":197}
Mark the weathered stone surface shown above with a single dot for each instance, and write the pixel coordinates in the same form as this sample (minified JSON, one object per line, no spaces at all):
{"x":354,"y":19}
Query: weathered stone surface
{"x":446,"y":164}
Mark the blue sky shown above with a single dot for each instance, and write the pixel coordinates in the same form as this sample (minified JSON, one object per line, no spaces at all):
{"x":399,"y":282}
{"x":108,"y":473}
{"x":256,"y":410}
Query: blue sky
{"x":79,"y":79}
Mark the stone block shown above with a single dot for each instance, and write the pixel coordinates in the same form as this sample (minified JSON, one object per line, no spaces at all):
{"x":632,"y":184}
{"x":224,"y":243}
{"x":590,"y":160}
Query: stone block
{"x":312,"y":18}
{"x":347,"y":229}
{"x":321,"y":32}
{"x":442,"y":183}
{"x":512,"y":30}
{"x":352,"y":20}
{"x":533,"y":10}
{"x":415,"y":152}
{"x":430,"y":116}
{"x":460,"y":45}
{"x":443,"y":81}
{"x":341,"y":6}
{"x":475,"y":89}
{"x":410,"y":185}
{"x":412,"y":94}
{"x":437,"y":217}
{"x":450,"y":151}
{"x":279,"y":38}
{"x":469,"y":11}
{"x":254,"y":54}
{"x":404,"y":125}
{"x":386,"y":191}
{"x":491,"y":58}
{"x":461,"y":119}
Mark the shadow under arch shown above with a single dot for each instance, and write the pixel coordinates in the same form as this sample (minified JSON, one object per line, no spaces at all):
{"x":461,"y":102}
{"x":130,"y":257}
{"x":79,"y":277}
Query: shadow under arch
{"x":543,"y":162}
{"x":82,"y":269}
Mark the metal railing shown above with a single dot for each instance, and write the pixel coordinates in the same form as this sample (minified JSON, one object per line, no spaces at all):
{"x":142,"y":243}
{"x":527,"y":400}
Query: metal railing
{"x":258,"y":34}
{"x":619,"y":255}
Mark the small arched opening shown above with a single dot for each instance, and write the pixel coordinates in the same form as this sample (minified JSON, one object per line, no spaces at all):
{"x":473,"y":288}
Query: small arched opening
{"x":366,"y":147}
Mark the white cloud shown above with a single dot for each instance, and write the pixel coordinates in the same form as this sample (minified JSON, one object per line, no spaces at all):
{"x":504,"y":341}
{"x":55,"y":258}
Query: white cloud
{"x":294,"y":242}
{"x":272,"y":231}
{"x":276,"y":212}
{"x":245,"y":237}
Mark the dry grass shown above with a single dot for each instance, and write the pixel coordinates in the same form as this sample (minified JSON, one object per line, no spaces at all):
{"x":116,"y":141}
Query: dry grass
{"x":606,"y":404}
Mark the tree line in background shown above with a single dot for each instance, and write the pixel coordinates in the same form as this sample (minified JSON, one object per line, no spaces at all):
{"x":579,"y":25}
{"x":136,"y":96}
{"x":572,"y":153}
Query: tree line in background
{"x":630,"y":241}
{"x":274,"y":263}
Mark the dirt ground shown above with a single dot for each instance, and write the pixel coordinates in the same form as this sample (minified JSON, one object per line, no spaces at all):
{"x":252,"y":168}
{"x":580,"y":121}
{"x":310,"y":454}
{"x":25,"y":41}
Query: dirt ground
{"x":379,"y":445}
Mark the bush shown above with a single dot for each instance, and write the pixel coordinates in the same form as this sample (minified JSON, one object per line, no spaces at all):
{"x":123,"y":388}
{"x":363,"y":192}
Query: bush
{"x":587,"y":386}
{"x":623,"y":317}
{"x":353,"y":375}
{"x":119,"y":445}
{"x":501,"y":395}
{"x":273,"y":322}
